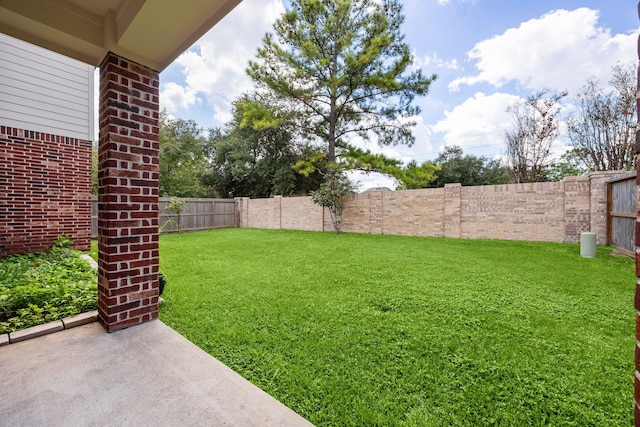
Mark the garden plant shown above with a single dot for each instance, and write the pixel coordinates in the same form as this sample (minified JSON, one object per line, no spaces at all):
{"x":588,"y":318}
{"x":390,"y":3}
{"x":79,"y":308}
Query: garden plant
{"x":42,"y":287}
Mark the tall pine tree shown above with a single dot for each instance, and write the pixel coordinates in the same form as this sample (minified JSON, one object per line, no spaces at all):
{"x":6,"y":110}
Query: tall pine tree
{"x":342,"y":68}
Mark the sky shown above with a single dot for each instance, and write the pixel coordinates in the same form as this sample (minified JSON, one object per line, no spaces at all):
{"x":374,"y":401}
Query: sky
{"x":487,"y":54}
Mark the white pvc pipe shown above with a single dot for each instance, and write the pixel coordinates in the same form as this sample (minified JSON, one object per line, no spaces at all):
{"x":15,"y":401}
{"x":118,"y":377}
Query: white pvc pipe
{"x":588,"y":245}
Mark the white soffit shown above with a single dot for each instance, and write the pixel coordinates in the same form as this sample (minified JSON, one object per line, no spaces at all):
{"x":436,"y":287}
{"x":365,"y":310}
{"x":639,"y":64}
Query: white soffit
{"x":150,"y":32}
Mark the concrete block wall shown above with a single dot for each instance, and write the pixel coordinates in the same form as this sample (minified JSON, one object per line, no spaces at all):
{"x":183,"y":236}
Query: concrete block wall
{"x":45,"y":190}
{"x":300,"y":213}
{"x":533,"y":211}
{"x":414,"y":212}
{"x":359,"y":215}
{"x":263,"y":213}
{"x":545,"y":211}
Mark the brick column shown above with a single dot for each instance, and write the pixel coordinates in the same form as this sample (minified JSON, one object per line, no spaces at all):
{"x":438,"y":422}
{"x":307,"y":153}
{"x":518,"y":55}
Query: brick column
{"x":128,"y":213}
{"x":277,"y":213}
{"x":376,"y":206}
{"x":577,"y":209}
{"x":242,"y":212}
{"x":636,"y":393}
{"x":598,"y":203}
{"x":452,"y":210}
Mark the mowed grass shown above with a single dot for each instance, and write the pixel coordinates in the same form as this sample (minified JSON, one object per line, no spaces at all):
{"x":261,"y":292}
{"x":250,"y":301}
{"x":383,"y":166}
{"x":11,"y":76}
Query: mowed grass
{"x":368,"y":330}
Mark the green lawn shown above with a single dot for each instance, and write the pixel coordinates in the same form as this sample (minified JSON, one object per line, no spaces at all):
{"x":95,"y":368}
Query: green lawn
{"x":366,"y":330}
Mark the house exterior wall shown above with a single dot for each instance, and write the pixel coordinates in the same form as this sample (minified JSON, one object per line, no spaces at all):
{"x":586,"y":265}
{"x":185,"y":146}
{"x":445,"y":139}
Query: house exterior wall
{"x":45,"y":190}
{"x":44,"y":91}
{"x":46,"y":128}
{"x":543,"y":211}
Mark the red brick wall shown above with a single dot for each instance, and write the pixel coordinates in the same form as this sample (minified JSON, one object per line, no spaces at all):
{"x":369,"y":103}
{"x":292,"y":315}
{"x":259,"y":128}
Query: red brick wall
{"x":636,"y":389}
{"x":45,"y":191}
{"x":128,"y":209}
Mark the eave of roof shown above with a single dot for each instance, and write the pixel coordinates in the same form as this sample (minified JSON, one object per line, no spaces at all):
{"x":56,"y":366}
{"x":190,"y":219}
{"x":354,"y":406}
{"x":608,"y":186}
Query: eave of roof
{"x":152,"y":33}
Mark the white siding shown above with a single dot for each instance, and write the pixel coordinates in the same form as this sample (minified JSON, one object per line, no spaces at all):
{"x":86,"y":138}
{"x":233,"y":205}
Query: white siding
{"x":43,"y":91}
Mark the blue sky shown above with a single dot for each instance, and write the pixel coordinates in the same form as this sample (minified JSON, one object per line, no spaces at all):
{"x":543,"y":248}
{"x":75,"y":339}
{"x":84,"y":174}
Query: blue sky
{"x":487,"y":54}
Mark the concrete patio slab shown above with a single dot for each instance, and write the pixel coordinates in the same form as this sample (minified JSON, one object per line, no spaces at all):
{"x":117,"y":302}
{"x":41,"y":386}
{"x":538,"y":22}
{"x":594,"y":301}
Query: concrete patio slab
{"x":144,"y":375}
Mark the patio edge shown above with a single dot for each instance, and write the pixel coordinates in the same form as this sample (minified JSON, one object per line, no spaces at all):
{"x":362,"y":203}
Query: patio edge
{"x":49,"y":328}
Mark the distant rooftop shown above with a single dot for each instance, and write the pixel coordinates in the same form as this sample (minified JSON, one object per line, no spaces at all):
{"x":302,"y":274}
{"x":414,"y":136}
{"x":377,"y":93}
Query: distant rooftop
{"x":369,"y":190}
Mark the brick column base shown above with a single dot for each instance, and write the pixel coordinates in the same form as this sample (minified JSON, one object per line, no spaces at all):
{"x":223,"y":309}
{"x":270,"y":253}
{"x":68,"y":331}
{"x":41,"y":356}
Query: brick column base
{"x":128,"y":212}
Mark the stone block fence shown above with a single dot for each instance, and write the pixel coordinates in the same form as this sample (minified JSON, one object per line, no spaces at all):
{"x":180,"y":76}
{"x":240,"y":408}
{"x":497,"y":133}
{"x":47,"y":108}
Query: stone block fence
{"x":542,"y":211}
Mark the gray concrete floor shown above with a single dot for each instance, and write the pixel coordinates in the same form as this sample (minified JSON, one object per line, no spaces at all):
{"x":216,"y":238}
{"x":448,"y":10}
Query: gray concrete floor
{"x":144,"y":375}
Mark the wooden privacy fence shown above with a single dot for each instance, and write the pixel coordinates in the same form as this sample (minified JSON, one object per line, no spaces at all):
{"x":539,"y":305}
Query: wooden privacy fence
{"x":621,"y":211}
{"x":198,"y":214}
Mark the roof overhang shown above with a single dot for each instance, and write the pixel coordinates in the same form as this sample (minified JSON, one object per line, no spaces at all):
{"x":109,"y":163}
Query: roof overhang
{"x":152,"y":33}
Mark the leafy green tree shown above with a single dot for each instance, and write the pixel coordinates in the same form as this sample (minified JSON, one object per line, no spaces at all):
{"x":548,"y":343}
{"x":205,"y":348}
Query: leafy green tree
{"x":341,"y":68}
{"x":182,"y":157}
{"x":569,"y":164}
{"x":468,"y":170}
{"x":331,"y":195}
{"x":415,"y":176}
{"x":408,"y":177}
{"x":253,"y":158}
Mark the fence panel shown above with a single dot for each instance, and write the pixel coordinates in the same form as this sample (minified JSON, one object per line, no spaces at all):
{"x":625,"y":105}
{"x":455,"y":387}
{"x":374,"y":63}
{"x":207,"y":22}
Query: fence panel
{"x":225,"y":214}
{"x":198,"y":214}
{"x":621,"y":211}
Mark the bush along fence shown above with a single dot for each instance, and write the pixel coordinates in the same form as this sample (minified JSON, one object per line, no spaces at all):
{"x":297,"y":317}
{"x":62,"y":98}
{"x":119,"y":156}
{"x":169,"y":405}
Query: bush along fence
{"x":542,"y":211}
{"x":197,"y":214}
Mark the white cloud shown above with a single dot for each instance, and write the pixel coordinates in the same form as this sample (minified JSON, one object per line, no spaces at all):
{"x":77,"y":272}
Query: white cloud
{"x":446,"y":2}
{"x":560,"y":50}
{"x":215,"y":66}
{"x":480,"y":121}
{"x":174,"y":97}
{"x":434,"y":61}
{"x":404,"y":153}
